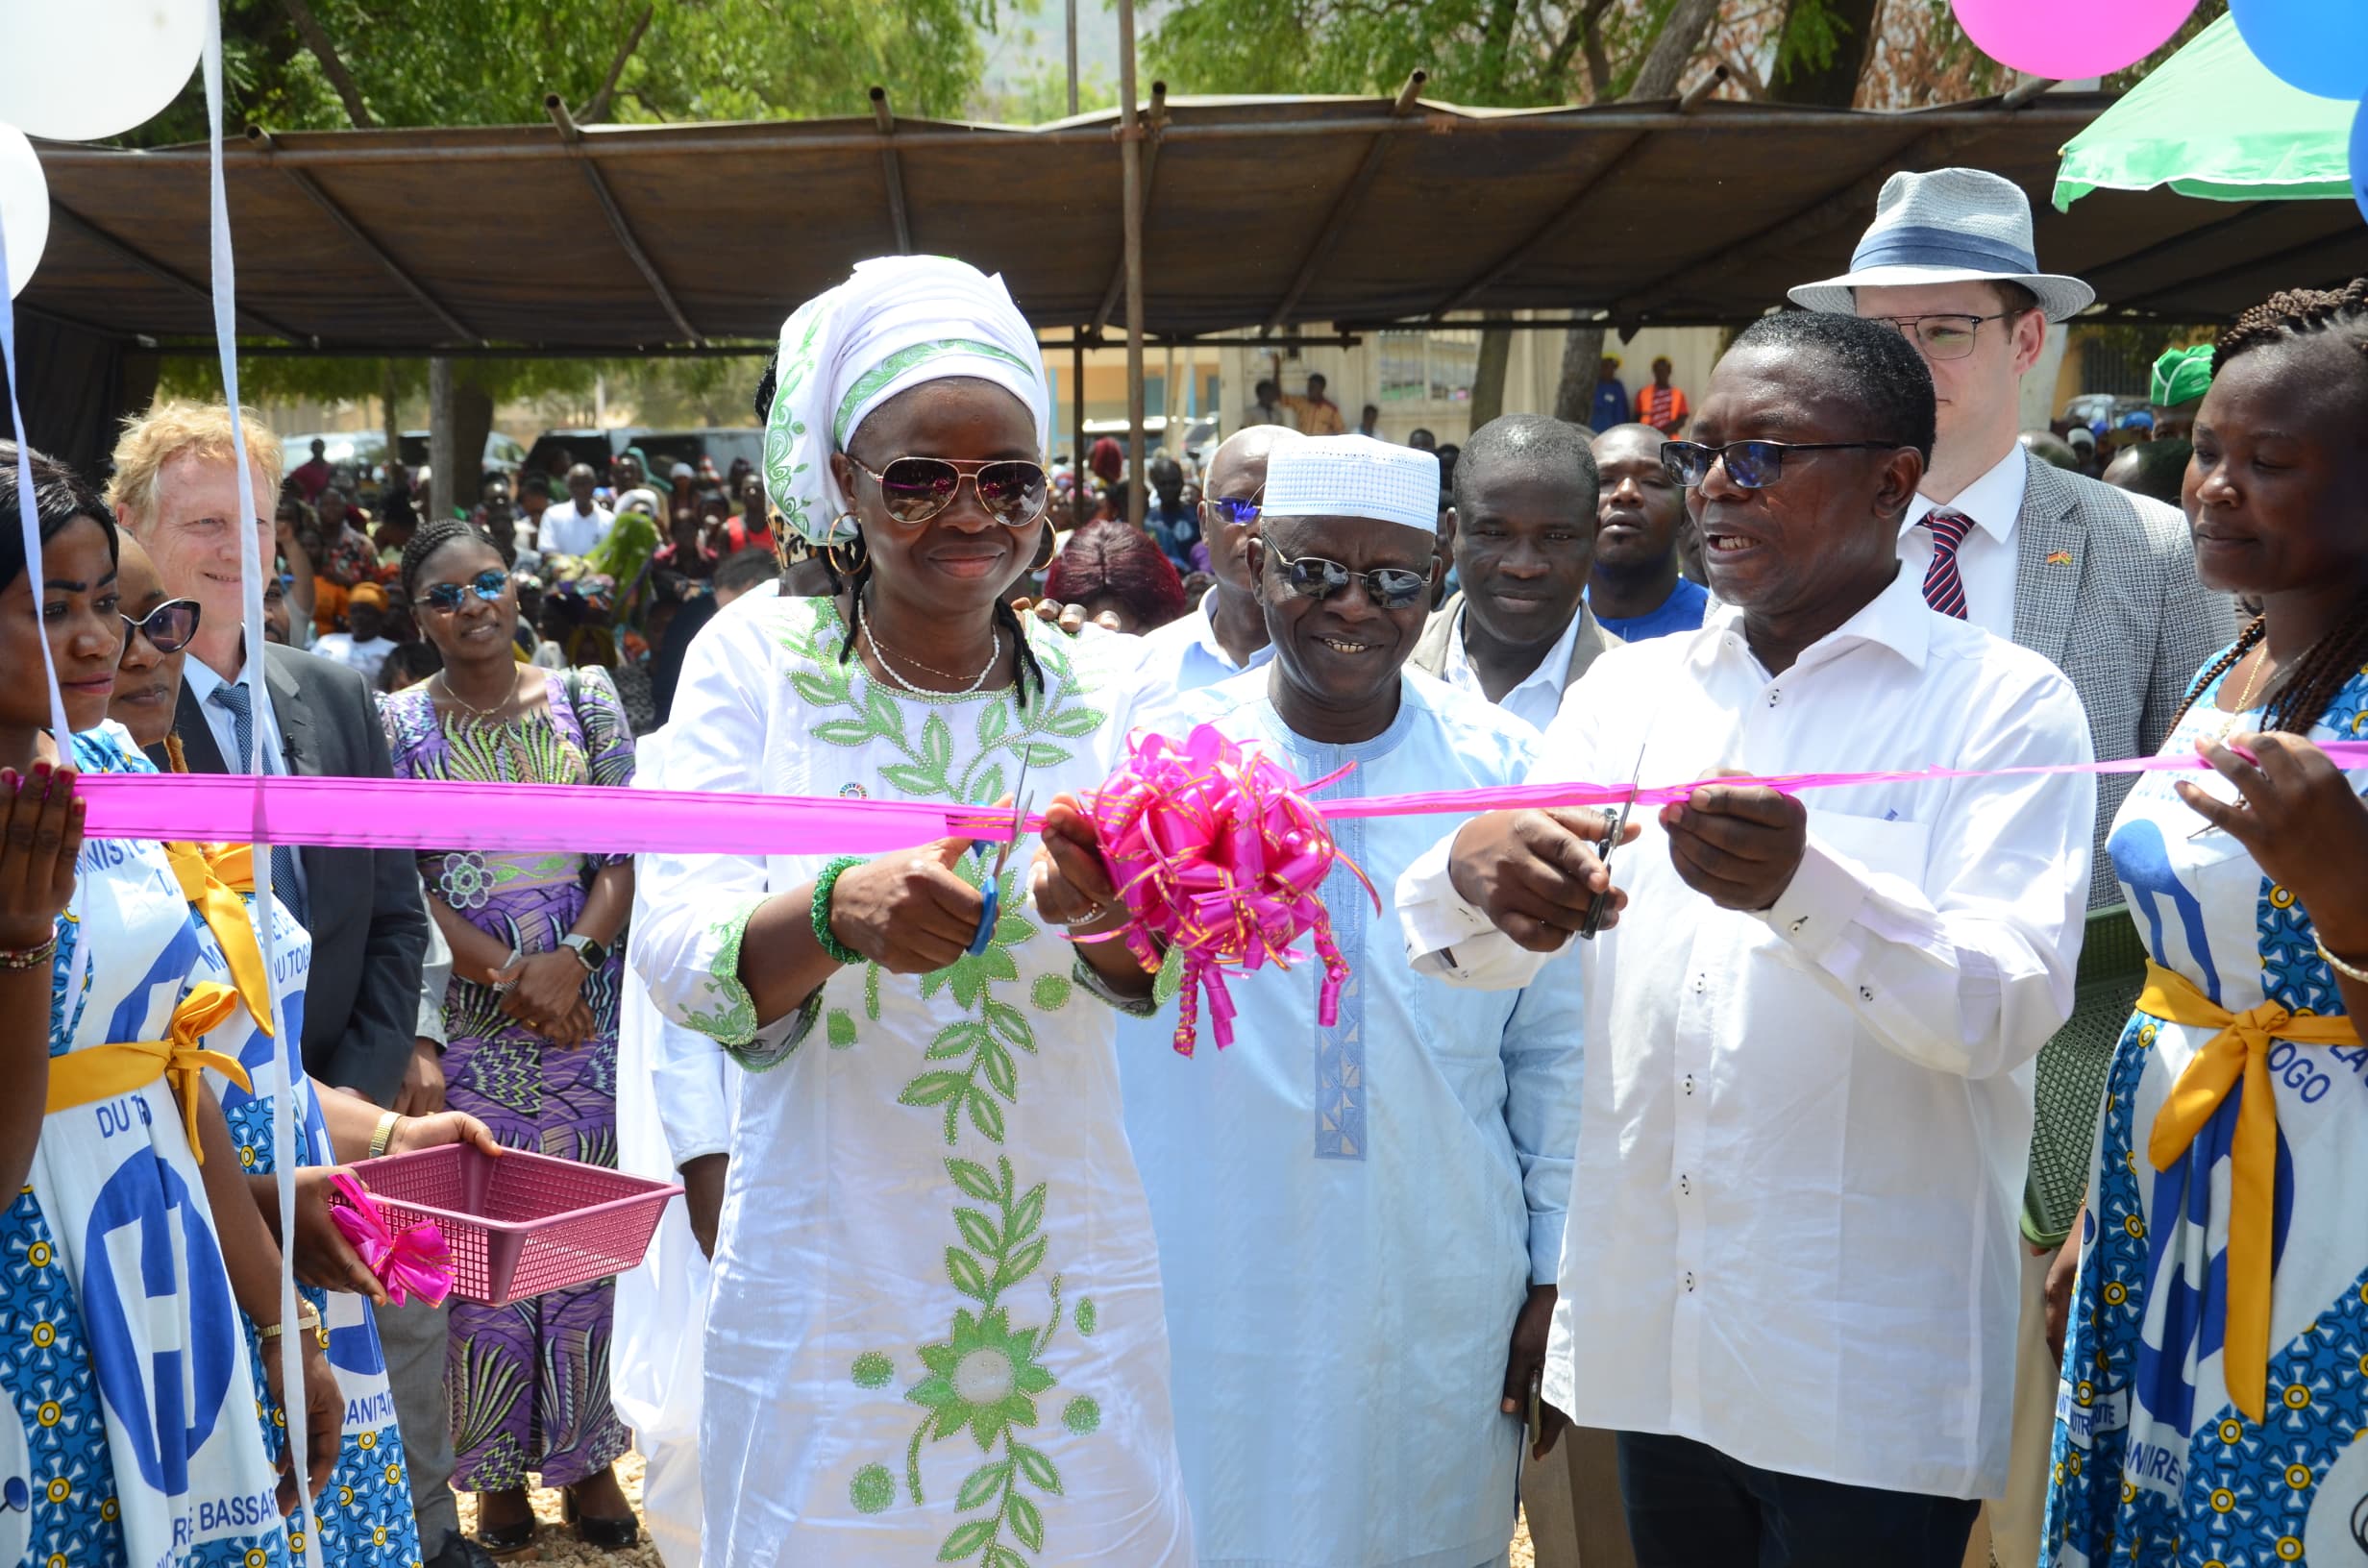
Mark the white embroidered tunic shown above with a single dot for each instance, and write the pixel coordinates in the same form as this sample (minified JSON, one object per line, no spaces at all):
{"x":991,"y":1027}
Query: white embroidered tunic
{"x":936,"y":1330}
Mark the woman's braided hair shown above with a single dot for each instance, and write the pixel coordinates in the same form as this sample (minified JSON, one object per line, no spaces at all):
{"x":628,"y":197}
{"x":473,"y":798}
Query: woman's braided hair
{"x":426,"y":542}
{"x":2304,"y":695}
{"x":850,"y":577}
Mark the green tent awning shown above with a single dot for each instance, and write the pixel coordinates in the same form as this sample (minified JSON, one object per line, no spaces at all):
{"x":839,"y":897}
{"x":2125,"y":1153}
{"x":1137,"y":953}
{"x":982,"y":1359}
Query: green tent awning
{"x":2213,"y":122}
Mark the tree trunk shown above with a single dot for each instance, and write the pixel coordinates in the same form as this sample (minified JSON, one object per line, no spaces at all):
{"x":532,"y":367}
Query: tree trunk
{"x":1835,"y":83}
{"x":391,"y":416}
{"x":1681,"y":36}
{"x":1574,"y":392}
{"x":442,"y":462}
{"x":1487,"y":380}
{"x":332,"y":66}
{"x":472,"y":423}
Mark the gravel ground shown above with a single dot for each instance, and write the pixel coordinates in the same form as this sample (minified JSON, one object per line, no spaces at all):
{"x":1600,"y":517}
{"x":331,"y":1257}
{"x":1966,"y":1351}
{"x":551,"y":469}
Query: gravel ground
{"x":554,"y":1542}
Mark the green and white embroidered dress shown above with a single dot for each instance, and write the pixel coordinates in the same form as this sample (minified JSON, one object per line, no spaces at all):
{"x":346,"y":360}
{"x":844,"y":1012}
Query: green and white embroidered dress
{"x":936,"y":1331}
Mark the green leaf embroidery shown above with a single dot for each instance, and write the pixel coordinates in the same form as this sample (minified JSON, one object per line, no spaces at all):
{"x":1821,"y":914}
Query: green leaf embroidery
{"x":957,"y":1039}
{"x":1044,"y":754}
{"x":818,"y":688}
{"x":914,"y":778}
{"x":840,"y":1027}
{"x":843,"y":731}
{"x":1025,"y":1522}
{"x":886,"y":713}
{"x":1073,"y":722}
{"x":1039,"y":1470}
{"x":982,"y":1483}
{"x":966,"y":1541}
{"x":991,"y":722}
{"x":986,"y":1116}
{"x":968,"y":1277}
{"x":1028,"y":1213}
{"x":988,"y":789}
{"x":1012,"y":1024}
{"x":972,"y":1178}
{"x":870,"y":992}
{"x":1019,"y":1264}
{"x":979,"y":1230}
{"x":934,"y":1089}
{"x":1002,"y":1075}
{"x":1049,"y":993}
{"x":937,"y":741}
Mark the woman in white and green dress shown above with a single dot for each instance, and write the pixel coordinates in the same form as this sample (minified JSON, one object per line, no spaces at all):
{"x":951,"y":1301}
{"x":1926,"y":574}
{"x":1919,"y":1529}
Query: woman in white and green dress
{"x":935,"y":1333}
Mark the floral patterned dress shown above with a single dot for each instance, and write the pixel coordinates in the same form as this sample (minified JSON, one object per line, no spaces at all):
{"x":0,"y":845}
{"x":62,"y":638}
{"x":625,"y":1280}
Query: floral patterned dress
{"x":529,"y":1380}
{"x":935,"y":1332}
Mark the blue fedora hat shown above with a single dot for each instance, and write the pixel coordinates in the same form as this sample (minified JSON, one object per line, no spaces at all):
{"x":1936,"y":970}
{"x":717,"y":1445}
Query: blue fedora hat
{"x":1945,"y":227}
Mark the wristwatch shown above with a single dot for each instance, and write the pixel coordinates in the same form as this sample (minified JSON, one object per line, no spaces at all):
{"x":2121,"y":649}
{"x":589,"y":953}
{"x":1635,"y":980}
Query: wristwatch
{"x":591,"y":952}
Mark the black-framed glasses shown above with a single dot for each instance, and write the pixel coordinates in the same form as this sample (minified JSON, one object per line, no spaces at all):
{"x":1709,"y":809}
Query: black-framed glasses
{"x":1014,"y":491}
{"x":449,"y":596}
{"x":1391,"y":587}
{"x":169,"y":627}
{"x":1753,"y":465}
{"x":1239,"y":510}
{"x":1948,"y":336}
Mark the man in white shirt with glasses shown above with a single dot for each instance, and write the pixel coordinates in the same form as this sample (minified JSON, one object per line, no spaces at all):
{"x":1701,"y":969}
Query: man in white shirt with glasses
{"x":1789,"y":1278}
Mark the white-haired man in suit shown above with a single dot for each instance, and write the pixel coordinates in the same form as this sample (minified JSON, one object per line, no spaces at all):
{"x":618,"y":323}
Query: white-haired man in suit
{"x":2101,"y":581}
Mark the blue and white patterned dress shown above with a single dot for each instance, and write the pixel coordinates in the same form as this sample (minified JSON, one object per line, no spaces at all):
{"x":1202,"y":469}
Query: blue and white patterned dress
{"x":365,"y":1515}
{"x":121,"y":1347}
{"x":2152,"y":1462}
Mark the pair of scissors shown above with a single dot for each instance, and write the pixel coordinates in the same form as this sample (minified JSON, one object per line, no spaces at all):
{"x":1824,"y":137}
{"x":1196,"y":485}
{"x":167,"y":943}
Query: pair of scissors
{"x":994,"y":888}
{"x":1600,"y":905}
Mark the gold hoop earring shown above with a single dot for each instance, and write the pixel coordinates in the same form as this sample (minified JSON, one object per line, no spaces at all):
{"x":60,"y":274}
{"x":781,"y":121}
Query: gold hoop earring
{"x":1043,"y":549}
{"x":830,"y":550}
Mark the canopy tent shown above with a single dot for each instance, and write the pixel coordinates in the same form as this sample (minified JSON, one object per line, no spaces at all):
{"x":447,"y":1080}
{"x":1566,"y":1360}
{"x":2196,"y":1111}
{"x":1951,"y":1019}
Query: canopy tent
{"x":1258,"y":213}
{"x":2213,"y":122}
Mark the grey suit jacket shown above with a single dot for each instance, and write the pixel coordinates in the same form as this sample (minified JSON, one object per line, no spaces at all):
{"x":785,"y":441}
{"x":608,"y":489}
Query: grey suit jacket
{"x":2105,"y":586}
{"x":1430,"y":656}
{"x":369,"y":929}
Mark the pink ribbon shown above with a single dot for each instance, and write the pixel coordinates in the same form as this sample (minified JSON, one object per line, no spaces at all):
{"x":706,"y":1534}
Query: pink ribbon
{"x":426,"y":814}
{"x":412,"y":1261}
{"x":1220,"y":855}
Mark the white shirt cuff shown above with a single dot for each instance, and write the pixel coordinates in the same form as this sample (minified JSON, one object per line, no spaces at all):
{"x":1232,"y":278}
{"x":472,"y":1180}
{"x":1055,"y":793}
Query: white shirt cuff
{"x":1432,"y":915}
{"x":1825,"y":896}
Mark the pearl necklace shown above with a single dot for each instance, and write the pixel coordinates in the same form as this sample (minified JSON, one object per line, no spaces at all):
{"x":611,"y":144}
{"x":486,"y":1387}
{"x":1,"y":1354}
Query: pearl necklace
{"x":864,"y":629}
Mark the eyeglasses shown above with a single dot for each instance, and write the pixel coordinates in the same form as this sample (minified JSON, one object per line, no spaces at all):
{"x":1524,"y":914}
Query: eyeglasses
{"x":1389,"y":587}
{"x":915,"y":489}
{"x":1941,"y":337}
{"x":1239,"y":511}
{"x":169,"y":627}
{"x":449,"y":596}
{"x":1753,"y":465}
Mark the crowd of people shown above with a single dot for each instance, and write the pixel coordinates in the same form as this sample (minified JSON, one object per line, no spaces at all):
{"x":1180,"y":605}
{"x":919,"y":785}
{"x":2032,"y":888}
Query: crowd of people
{"x":1757,"y":1178}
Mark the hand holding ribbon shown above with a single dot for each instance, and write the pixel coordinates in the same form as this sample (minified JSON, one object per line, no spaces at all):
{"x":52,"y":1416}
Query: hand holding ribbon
{"x":410,"y":1261}
{"x":1217,"y":853}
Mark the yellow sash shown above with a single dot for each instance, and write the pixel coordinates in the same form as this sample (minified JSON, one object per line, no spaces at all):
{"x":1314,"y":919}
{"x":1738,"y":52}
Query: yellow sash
{"x":2240,"y":1049}
{"x":104,"y":1071}
{"x":211,"y":877}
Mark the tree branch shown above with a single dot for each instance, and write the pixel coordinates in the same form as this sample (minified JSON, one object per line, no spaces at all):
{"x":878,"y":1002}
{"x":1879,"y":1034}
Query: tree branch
{"x":310,"y":30}
{"x":1740,"y":73}
{"x":1673,"y":51}
{"x":596,"y":110}
{"x":1584,"y":29}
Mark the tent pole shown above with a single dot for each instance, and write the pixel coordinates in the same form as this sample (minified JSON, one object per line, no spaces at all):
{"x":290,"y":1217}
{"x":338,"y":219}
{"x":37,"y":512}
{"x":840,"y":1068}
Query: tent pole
{"x":1072,"y":59}
{"x":1130,"y":169}
{"x":1076,"y":403}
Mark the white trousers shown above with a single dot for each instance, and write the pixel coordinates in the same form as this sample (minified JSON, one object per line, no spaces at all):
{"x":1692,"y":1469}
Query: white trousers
{"x":671,"y":1502}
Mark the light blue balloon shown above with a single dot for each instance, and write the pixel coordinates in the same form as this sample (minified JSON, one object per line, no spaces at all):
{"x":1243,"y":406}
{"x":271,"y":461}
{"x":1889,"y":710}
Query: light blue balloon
{"x":2320,"y":46}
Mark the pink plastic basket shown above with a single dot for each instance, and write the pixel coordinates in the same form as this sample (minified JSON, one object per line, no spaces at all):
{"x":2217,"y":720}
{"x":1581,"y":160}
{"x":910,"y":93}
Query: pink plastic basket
{"x":522,"y":1224}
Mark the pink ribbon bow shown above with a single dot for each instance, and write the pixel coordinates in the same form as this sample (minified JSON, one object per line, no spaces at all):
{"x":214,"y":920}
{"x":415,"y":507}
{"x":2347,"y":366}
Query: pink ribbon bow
{"x":1216,"y":851}
{"x":412,"y":1261}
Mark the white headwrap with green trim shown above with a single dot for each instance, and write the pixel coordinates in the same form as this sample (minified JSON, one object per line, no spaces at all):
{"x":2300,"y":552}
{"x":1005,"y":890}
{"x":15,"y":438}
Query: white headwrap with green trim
{"x":897,"y":321}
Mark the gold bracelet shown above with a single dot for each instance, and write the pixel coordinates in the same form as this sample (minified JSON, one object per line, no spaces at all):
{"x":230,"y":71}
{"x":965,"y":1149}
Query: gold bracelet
{"x":307,"y":1321}
{"x":2350,"y":971}
{"x":380,"y":1138}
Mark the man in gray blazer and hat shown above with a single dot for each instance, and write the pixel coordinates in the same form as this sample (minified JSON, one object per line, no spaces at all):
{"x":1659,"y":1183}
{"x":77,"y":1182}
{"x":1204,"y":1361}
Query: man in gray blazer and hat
{"x":2101,"y":581}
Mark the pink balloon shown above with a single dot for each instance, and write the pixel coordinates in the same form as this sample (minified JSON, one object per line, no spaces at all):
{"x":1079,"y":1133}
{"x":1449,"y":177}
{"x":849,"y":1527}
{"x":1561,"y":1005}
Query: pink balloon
{"x":2070,"y":40}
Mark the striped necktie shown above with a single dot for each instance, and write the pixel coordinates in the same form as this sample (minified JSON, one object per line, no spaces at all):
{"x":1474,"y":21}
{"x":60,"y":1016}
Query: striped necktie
{"x":1943,"y":590}
{"x":284,"y":885}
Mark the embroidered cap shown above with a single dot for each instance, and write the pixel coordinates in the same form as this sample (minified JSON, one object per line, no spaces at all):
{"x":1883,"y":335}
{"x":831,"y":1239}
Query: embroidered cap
{"x":1353,"y":476}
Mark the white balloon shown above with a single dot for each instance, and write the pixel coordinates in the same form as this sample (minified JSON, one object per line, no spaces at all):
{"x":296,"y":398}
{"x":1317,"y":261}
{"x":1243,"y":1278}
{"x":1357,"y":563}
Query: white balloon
{"x":24,"y":207}
{"x":76,"y":70}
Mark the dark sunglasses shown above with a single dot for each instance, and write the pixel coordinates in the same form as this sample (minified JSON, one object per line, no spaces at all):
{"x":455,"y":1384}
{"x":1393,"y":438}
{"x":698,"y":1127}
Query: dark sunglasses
{"x":169,"y":627}
{"x":449,"y":596}
{"x":1391,"y":587}
{"x":1753,"y":465}
{"x":915,"y":489}
{"x":1235,"y":509}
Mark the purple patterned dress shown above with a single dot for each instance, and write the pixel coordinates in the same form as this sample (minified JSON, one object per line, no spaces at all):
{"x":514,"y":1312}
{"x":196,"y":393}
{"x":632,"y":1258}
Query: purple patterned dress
{"x":529,"y":1380}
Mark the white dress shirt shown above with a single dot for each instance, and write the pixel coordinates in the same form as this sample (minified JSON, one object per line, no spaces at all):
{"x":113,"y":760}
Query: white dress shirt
{"x":199,"y":676}
{"x":1794,"y":1216}
{"x":1184,"y":655}
{"x":1539,"y":695}
{"x":1986,"y":555}
{"x":567,"y":531}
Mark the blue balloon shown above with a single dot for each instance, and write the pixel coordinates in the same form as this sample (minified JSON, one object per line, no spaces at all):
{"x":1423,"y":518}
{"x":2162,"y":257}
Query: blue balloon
{"x":2320,"y":46}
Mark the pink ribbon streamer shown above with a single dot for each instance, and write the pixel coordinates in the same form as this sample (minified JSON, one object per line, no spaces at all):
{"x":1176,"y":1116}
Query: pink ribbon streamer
{"x":423,"y":813}
{"x":1218,"y":854}
{"x":412,"y":1261}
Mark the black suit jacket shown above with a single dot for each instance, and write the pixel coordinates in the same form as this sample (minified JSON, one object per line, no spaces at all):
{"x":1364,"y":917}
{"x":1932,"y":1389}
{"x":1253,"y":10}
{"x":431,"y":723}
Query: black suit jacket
{"x":369,"y":928}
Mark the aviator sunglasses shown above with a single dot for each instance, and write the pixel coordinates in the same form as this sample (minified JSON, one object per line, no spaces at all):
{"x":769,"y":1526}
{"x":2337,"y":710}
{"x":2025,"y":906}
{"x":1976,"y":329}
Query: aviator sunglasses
{"x":1013,"y":491}
{"x":1751,"y":465}
{"x":169,"y":627}
{"x":1391,"y":587}
{"x":449,"y":596}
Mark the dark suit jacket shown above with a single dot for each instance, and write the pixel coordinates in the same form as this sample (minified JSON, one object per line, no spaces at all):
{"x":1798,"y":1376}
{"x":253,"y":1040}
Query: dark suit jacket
{"x":369,"y":927}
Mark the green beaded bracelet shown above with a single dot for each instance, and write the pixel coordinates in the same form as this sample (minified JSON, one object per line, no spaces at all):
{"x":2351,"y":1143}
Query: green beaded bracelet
{"x":820,"y":912}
